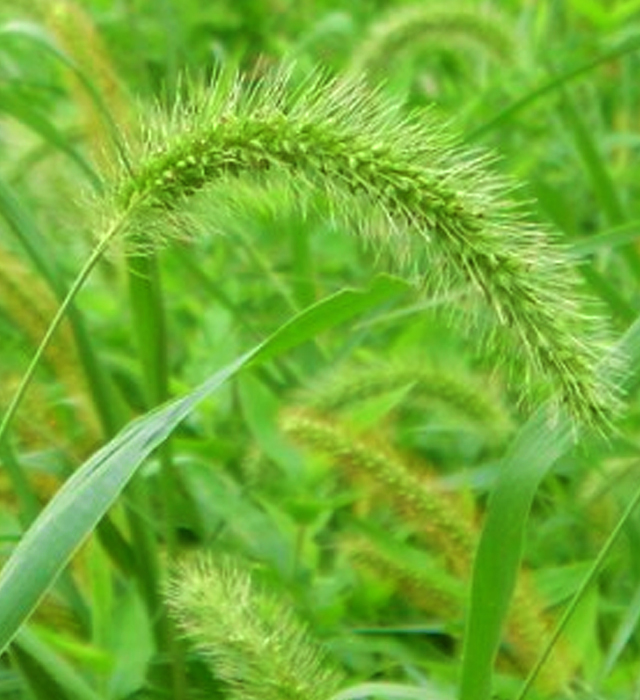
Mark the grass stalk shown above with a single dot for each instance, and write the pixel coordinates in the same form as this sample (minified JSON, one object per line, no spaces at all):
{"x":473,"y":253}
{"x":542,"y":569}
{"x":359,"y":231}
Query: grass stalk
{"x":586,"y":582}
{"x":150,"y":327}
{"x":77,"y":285}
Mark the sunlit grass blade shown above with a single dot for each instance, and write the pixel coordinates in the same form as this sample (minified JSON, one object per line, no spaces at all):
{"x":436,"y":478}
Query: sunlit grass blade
{"x":87,"y":495}
{"x":533,"y":453}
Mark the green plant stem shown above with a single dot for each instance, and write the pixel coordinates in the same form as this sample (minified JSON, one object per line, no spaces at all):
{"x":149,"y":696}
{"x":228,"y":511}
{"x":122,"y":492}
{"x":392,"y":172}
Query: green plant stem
{"x":113,"y":540}
{"x":42,"y":256}
{"x":142,"y":533}
{"x":150,"y":327}
{"x":78,"y":283}
{"x":586,"y":582}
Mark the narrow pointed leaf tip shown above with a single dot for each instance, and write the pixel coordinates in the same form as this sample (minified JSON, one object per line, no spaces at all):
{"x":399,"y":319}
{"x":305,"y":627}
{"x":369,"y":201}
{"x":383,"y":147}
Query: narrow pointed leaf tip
{"x":442,"y":207}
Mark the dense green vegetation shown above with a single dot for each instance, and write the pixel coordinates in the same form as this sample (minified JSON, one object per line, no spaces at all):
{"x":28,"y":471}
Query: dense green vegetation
{"x":320,"y":335}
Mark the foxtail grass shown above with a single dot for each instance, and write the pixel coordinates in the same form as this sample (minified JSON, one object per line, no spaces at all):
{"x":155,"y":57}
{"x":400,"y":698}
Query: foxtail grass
{"x":433,"y":27}
{"x":443,"y":211}
{"x":438,"y":518}
{"x":252,"y":641}
{"x":433,"y":206}
{"x":439,"y":521}
{"x":470,"y":396}
{"x":430,"y":589}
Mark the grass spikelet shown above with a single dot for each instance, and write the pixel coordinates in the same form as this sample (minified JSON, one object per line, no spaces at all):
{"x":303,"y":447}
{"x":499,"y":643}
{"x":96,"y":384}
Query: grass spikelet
{"x":436,"y":514}
{"x":460,"y":390}
{"x":527,"y":632}
{"x":252,"y":641}
{"x":443,"y":209}
{"x":441,"y":524}
{"x":426,"y":27}
{"x":429,"y":588}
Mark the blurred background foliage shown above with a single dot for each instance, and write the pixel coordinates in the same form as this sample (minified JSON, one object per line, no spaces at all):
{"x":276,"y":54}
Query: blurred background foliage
{"x":352,"y":474}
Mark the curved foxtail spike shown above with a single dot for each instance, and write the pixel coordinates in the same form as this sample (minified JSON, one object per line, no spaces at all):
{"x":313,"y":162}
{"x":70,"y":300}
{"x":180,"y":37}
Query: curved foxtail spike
{"x":433,"y":26}
{"x":438,"y":516}
{"x":471,"y":396}
{"x":430,"y":589}
{"x":252,"y":641}
{"x":441,"y":206}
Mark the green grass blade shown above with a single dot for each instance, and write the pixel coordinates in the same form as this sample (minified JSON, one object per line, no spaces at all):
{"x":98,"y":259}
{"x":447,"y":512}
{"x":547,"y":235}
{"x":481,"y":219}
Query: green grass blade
{"x":30,"y":32}
{"x":609,"y":293}
{"x":604,"y":189}
{"x":549,"y":87}
{"x":533,"y":453}
{"x":11,"y":104}
{"x":145,"y":294}
{"x":40,"y":252}
{"x":396,"y":691}
{"x":607,"y":240}
{"x":628,"y":625}
{"x":26,"y":231}
{"x":53,"y":668}
{"x":585,"y":584}
{"x":80,"y":504}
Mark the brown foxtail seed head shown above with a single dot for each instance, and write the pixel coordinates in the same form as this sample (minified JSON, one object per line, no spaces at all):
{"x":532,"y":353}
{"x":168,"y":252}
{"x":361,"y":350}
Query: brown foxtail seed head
{"x":437,"y":515}
{"x":443,"y":208}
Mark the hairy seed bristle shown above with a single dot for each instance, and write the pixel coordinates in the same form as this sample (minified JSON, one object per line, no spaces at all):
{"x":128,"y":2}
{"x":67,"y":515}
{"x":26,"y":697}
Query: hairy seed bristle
{"x":254,"y":642}
{"x":456,"y":219}
{"x":437,"y":515}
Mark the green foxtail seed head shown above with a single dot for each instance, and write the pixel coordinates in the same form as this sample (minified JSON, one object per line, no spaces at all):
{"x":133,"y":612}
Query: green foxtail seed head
{"x":252,"y":641}
{"x":442,"y":209}
{"x":461,"y":390}
{"x":426,"y":27}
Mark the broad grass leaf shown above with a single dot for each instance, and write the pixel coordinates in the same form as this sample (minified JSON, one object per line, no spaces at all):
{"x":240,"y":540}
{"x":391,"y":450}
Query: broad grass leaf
{"x":78,"y":507}
{"x":533,"y":453}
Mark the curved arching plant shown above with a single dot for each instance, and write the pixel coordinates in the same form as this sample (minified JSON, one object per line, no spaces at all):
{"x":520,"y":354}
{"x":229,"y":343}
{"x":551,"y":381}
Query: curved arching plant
{"x":432,"y":27}
{"x":432,"y":205}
